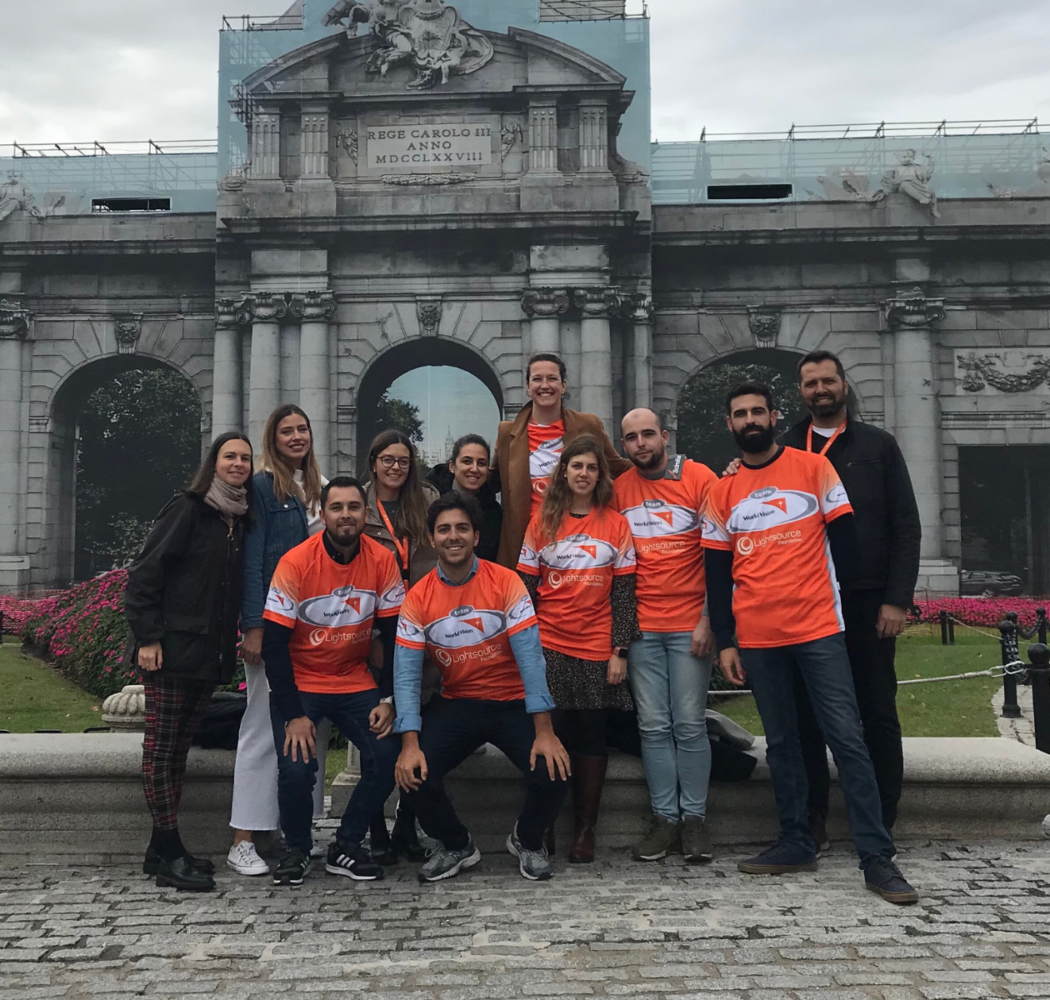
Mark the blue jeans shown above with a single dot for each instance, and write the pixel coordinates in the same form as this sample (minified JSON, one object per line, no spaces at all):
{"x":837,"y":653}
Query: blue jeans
{"x":295,"y":779}
{"x":669,"y":686}
{"x":825,"y":669}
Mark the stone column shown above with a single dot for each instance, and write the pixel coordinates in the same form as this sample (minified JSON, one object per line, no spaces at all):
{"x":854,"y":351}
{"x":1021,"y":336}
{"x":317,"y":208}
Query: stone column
{"x":226,"y":412}
{"x":543,"y":138}
{"x":597,"y":305}
{"x":594,"y":135}
{"x":315,"y":366}
{"x":265,"y":394}
{"x":911,"y":316}
{"x":545,"y":307}
{"x":264,"y":149}
{"x":642,"y":353}
{"x":314,"y":145}
{"x":14,"y":325}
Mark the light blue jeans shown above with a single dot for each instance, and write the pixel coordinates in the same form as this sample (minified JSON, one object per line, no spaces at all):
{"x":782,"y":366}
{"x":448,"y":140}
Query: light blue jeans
{"x":669,"y":686}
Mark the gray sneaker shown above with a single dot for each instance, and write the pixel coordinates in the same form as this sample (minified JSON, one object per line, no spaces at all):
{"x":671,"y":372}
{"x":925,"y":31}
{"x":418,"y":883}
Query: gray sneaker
{"x":663,"y":837}
{"x":444,"y":864}
{"x":696,"y":845}
{"x":536,"y":866}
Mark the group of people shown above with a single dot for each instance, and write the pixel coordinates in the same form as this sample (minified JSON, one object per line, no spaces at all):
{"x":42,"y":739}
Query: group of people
{"x":517,"y":597}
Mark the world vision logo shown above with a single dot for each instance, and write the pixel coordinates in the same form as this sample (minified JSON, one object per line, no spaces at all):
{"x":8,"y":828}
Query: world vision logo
{"x":771,"y":508}
{"x":343,"y":606}
{"x":466,"y":626}
{"x":578,"y":552}
{"x":655,"y":518}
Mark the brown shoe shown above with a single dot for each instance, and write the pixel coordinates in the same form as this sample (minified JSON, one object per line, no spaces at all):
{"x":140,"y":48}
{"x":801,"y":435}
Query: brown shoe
{"x":588,"y":777}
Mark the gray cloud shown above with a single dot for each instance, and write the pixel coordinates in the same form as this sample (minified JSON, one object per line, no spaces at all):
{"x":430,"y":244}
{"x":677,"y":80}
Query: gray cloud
{"x":135,"y":69}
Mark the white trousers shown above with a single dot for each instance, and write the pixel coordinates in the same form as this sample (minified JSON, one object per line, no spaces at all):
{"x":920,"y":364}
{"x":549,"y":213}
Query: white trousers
{"x":255,"y":772}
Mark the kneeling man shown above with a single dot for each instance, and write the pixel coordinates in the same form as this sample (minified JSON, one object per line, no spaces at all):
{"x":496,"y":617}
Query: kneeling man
{"x":476,"y":621}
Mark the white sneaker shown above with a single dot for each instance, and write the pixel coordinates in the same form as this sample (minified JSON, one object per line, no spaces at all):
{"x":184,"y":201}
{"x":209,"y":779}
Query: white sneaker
{"x":244,"y":859}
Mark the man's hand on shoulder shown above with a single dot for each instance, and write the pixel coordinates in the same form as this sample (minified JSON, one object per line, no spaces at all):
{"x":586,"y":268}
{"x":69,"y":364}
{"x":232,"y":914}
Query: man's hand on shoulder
{"x":732,"y":468}
{"x":891,"y":621}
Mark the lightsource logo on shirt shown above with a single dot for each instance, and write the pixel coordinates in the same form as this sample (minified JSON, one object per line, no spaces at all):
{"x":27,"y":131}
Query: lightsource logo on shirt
{"x":656,"y":517}
{"x":771,"y":508}
{"x":543,"y":460}
{"x":344,"y":606}
{"x":466,"y":626}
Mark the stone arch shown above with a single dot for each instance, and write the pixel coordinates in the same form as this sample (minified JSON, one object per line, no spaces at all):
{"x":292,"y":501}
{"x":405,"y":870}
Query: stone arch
{"x":399,"y":359}
{"x":51,"y":528}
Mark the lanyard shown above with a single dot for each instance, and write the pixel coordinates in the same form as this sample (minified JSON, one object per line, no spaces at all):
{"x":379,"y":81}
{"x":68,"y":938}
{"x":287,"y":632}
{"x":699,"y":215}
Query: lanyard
{"x":401,"y":545}
{"x":830,"y":441}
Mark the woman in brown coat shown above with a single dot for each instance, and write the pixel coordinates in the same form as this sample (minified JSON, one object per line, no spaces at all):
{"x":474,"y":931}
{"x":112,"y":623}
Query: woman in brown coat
{"x":528,"y":448}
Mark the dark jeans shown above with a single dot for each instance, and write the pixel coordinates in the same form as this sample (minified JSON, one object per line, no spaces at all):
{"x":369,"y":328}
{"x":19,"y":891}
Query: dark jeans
{"x":581,"y":730}
{"x":295,"y":779}
{"x":824,"y":667}
{"x":875,"y":681}
{"x":453,"y":728}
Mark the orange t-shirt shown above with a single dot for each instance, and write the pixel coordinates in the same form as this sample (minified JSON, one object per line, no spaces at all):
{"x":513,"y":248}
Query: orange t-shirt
{"x":772,"y":520}
{"x":466,"y":631}
{"x":546,"y":443}
{"x":664,"y":515}
{"x":576,"y":572}
{"x":331,"y":608}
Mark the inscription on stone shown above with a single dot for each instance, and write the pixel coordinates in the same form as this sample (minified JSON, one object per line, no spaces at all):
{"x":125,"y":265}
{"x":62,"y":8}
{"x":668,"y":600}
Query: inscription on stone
{"x":416,"y":147}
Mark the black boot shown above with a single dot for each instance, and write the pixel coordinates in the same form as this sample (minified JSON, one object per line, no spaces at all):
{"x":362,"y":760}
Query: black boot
{"x":181,"y":874}
{"x":151,"y":863}
{"x":404,"y":840}
{"x":379,"y":846}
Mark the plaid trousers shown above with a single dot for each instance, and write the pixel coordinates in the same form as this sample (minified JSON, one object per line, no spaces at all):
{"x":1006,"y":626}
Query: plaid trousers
{"x":174,"y":708}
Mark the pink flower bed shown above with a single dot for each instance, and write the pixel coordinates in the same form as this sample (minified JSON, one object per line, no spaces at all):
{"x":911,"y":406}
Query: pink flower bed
{"x":987,"y":611}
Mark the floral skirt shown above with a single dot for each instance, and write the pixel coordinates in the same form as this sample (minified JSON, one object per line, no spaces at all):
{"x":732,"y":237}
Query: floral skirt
{"x":580,"y":684}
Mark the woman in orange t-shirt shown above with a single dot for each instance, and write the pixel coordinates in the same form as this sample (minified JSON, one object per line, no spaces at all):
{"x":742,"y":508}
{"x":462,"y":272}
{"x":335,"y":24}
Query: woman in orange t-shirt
{"x":578,"y":564}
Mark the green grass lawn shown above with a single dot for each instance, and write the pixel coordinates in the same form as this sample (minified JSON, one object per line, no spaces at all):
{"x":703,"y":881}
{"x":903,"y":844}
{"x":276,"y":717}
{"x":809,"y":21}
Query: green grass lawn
{"x":35,"y":696}
{"x":949,"y":708}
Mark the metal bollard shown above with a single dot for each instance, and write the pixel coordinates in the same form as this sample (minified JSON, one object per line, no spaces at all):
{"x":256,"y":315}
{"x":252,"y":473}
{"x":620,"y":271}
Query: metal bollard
{"x":1011,"y":653}
{"x":1040,"y":624}
{"x":947,"y":629}
{"x":1039,"y":671}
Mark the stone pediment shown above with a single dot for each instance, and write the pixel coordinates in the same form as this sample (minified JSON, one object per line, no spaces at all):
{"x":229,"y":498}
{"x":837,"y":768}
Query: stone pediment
{"x":342,"y":67}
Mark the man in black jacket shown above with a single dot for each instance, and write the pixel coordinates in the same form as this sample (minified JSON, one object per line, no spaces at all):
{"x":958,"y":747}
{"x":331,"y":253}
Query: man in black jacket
{"x":876,"y":600}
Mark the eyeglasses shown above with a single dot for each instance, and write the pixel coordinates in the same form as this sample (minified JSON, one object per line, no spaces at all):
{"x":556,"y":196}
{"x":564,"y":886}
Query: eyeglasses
{"x":389,"y":461}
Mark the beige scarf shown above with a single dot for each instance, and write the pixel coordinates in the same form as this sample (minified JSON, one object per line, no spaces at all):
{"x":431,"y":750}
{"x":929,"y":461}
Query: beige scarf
{"x":230,"y":501}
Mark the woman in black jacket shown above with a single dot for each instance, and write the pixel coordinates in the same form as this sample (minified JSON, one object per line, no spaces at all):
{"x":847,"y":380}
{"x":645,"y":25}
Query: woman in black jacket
{"x":467,"y":473}
{"x":183,"y":601}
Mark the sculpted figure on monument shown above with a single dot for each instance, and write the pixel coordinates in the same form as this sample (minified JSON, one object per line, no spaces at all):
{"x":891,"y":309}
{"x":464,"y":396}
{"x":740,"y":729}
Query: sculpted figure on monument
{"x":427,"y":34}
{"x":913,"y":179}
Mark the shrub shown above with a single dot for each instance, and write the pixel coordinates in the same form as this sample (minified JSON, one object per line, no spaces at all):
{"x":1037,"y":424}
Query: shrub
{"x":84,"y":632}
{"x":16,"y":610}
{"x":984,"y":611}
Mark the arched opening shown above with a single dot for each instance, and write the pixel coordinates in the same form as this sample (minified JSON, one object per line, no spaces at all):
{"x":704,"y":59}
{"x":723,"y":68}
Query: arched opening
{"x":701,"y":413}
{"x":125,"y":434}
{"x":435,"y":391}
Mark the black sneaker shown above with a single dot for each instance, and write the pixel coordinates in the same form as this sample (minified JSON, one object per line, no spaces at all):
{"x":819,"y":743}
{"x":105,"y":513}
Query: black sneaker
{"x":182,"y":874}
{"x":293,"y":867}
{"x":881,"y":875}
{"x":780,"y":859}
{"x":353,"y":862}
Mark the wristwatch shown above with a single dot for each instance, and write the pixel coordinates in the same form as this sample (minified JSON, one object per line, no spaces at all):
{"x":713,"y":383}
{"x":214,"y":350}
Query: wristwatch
{"x":621,"y":651}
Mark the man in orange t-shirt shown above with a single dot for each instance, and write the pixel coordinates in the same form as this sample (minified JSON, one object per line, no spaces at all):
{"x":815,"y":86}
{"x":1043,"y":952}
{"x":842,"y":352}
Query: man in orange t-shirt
{"x":477,"y":623}
{"x":326,"y":597}
{"x":776,"y":535}
{"x":669,"y":667}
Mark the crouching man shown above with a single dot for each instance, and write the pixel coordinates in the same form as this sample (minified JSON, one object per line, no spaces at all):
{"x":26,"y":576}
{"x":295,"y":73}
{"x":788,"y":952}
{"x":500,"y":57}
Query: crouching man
{"x":476,"y":621}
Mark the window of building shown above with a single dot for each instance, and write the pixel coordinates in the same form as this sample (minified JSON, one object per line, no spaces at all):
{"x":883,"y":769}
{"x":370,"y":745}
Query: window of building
{"x":748,"y":192}
{"x":130,"y":205}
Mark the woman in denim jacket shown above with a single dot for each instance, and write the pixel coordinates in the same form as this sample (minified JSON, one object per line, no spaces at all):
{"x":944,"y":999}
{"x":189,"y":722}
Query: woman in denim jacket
{"x":287,"y":511}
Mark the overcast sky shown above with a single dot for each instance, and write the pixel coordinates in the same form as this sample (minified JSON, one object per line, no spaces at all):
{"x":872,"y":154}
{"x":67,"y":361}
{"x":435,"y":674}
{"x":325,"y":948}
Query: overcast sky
{"x":137,"y":69}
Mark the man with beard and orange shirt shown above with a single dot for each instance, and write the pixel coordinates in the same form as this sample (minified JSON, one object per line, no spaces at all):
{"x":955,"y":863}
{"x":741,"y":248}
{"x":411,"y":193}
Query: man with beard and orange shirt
{"x":778,"y":535}
{"x":669,"y":667}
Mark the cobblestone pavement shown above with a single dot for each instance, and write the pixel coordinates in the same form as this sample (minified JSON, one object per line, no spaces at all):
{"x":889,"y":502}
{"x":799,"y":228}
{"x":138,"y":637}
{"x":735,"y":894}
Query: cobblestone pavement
{"x":613,"y":929}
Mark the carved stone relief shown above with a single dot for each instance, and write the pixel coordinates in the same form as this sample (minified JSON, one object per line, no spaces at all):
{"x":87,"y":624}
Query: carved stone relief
{"x":1006,"y":371}
{"x":127,"y":329}
{"x":427,"y":35}
{"x":428,"y":312}
{"x":14,"y":320}
{"x":913,"y":309}
{"x":347,"y":140}
{"x":427,"y":180}
{"x":509,"y":135}
{"x":765,"y":326}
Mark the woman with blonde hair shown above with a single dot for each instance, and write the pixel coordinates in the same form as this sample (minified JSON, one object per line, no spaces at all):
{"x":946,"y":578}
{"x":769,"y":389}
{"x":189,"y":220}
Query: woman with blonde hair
{"x":287,"y":491}
{"x":398,"y":502}
{"x":578,"y":564}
